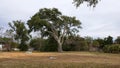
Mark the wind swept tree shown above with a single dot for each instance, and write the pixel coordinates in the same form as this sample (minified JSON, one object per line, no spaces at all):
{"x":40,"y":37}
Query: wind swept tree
{"x":90,"y":2}
{"x":20,"y":34}
{"x":51,"y":22}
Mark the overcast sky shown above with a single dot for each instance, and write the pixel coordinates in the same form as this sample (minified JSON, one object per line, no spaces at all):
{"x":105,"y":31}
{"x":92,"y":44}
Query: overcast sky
{"x":101,"y":21}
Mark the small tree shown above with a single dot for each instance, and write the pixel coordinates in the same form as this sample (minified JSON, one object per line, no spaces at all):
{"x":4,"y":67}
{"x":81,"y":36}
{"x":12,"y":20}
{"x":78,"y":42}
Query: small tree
{"x":101,"y":42}
{"x":20,"y":34}
{"x":51,"y":22}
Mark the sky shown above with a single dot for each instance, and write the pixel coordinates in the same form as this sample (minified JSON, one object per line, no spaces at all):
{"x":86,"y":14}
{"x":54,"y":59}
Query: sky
{"x":101,"y":21}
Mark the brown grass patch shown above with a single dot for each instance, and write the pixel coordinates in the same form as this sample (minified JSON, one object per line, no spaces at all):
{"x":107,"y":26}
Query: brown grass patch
{"x":92,"y":60}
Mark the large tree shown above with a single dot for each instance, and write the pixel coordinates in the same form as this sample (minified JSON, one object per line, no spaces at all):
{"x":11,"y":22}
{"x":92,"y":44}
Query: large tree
{"x":51,"y":22}
{"x":90,"y":2}
{"x":20,"y":33}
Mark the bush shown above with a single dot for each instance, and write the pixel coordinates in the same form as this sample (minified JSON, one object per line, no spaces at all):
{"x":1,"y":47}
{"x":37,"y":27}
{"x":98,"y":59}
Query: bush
{"x":115,"y":48}
{"x":75,"y":45}
{"x":70,"y":47}
{"x":14,"y":45}
{"x":83,"y":46}
{"x":50,"y":45}
{"x":36,"y":44}
{"x":23,"y":47}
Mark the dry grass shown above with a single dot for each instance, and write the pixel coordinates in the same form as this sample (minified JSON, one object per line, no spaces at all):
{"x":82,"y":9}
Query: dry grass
{"x":62,"y":60}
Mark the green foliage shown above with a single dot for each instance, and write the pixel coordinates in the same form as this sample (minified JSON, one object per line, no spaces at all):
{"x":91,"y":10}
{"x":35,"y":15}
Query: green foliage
{"x":108,"y":40}
{"x":75,"y":43}
{"x":89,"y":40}
{"x":6,"y":40}
{"x":101,"y":42}
{"x":14,"y":45}
{"x":37,"y":43}
{"x":95,"y":43}
{"x":23,"y":47}
{"x":94,"y":46}
{"x":70,"y":47}
{"x":50,"y":45}
{"x":21,"y":33}
{"x":90,"y":2}
{"x":40,"y":21}
{"x":114,"y":48}
{"x":51,"y":22}
{"x":83,"y":46}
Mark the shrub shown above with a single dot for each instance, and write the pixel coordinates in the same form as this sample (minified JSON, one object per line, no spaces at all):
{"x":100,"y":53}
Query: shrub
{"x":14,"y":45}
{"x":70,"y":47}
{"x":23,"y":47}
{"x":50,"y":45}
{"x":36,"y":44}
{"x":115,"y":48}
{"x":83,"y":46}
{"x":76,"y":45}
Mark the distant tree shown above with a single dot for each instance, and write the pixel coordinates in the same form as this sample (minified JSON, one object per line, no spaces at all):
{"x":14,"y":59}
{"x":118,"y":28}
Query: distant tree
{"x":90,"y":2}
{"x":21,"y":33}
{"x":95,"y":43}
{"x":101,"y":42}
{"x":117,"y":40}
{"x":89,"y":40}
{"x":51,"y":22}
{"x":108,"y":40}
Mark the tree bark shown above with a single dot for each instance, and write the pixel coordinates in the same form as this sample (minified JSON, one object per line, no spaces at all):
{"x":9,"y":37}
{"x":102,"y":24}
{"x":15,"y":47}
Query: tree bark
{"x":58,"y":39}
{"x":60,"y":47}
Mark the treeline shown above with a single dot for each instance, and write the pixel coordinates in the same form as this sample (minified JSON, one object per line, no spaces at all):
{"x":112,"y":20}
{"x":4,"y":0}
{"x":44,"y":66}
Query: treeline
{"x":71,"y":43}
{"x":77,"y":43}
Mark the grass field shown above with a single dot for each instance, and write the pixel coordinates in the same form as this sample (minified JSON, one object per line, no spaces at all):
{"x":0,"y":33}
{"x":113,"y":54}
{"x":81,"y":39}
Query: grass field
{"x":59,"y":60}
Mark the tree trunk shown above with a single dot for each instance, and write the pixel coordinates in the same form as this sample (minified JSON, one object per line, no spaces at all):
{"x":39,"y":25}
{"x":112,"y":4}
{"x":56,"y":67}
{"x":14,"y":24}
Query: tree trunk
{"x":60,"y":47}
{"x":59,"y":43}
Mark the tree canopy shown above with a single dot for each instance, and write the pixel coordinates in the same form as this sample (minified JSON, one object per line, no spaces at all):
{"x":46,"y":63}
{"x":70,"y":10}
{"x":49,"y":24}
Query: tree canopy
{"x":51,"y":22}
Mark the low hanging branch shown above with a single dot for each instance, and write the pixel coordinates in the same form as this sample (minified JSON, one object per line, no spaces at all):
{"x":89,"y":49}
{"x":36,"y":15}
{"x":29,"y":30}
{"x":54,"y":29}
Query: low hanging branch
{"x":92,"y":3}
